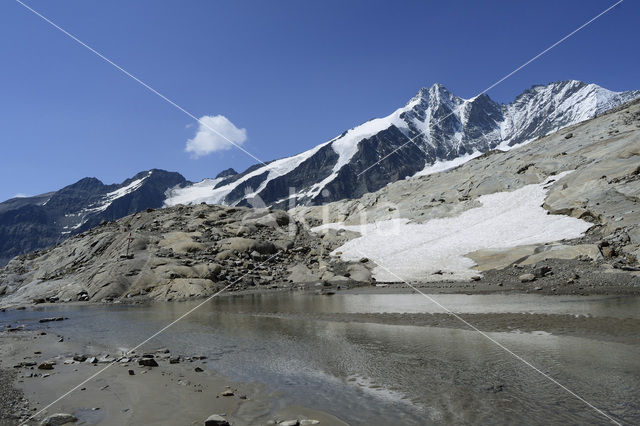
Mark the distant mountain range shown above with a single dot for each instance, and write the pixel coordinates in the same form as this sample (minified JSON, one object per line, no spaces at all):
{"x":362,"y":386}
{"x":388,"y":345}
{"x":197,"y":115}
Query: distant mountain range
{"x":433,"y":131}
{"x":32,"y":223}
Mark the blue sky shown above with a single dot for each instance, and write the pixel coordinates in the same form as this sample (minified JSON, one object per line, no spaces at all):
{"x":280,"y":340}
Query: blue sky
{"x":292,"y":74}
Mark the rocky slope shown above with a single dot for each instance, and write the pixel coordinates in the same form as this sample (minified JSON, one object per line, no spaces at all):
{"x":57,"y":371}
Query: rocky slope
{"x":602,"y":188}
{"x":178,"y":253}
{"x":32,"y":223}
{"x":433,"y":129}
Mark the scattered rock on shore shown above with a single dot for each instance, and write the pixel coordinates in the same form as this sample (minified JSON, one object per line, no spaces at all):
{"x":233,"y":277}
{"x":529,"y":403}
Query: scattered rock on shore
{"x":541,"y":272}
{"x":179,"y":253}
{"x":147,"y":362}
{"x":527,"y":278}
{"x":59,"y":419}
{"x":52,"y":319}
{"x":216,"y":420}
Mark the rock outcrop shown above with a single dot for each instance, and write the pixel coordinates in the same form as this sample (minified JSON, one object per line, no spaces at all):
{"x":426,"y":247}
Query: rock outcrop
{"x":175,"y":253}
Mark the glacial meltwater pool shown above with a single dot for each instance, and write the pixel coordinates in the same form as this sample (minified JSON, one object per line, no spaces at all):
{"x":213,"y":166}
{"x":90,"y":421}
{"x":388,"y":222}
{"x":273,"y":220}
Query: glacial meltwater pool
{"x":380,"y":374}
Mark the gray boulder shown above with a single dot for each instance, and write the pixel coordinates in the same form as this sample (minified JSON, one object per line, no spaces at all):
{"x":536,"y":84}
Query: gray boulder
{"x":147,"y":362}
{"x":216,"y":420}
{"x":265,"y":247}
{"x":300,"y":273}
{"x":359,"y":272}
{"x":541,"y":271}
{"x":527,"y":278}
{"x":59,"y":419}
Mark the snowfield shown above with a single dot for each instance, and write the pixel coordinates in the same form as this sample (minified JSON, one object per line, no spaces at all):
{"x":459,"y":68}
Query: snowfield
{"x":346,"y":145}
{"x":110,"y":197}
{"x":443,"y":166}
{"x":414,"y":251}
{"x":205,"y":191}
{"x":197,"y":193}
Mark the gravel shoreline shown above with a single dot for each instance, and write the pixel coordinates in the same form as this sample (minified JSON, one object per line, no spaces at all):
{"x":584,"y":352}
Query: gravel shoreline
{"x":154,"y":387}
{"x":565,"y":277}
{"x":12,"y":402}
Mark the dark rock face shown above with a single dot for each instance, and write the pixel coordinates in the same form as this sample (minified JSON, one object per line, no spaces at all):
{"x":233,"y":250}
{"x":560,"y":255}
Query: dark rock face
{"x":354,"y":179}
{"x":277,"y":191}
{"x":25,"y":229}
{"x":33,"y":223}
{"x":227,"y":173}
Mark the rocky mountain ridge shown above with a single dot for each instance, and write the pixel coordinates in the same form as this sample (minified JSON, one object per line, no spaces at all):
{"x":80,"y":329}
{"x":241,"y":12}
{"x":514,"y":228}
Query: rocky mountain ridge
{"x":434,"y":130}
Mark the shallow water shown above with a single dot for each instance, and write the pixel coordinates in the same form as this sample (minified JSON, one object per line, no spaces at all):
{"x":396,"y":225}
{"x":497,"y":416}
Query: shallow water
{"x":383,"y":374}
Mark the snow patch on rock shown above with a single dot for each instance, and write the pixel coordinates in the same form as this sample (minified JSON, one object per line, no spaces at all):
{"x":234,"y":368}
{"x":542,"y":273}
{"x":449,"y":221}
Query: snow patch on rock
{"x":193,"y":194}
{"x":443,"y":166}
{"x":114,"y":195}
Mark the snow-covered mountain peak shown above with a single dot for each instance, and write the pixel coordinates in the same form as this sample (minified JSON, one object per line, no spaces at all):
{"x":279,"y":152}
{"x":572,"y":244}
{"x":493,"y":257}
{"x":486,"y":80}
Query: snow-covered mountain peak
{"x":433,"y":129}
{"x":437,"y":93}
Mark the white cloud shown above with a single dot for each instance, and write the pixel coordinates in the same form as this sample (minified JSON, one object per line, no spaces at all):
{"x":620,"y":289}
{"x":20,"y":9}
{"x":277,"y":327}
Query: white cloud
{"x":215,"y":133}
{"x":21,"y":195}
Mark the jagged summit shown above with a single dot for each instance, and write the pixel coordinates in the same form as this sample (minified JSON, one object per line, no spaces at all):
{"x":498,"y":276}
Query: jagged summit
{"x":432,"y":90}
{"x":433,"y":94}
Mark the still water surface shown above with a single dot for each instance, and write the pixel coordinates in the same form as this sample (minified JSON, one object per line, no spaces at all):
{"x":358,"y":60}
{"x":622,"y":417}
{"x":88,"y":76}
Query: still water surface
{"x":385,"y":374}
